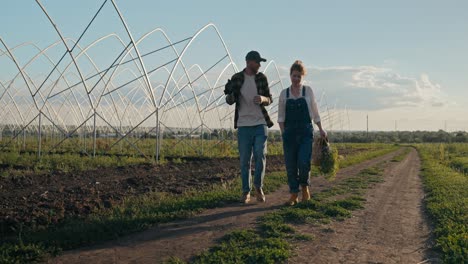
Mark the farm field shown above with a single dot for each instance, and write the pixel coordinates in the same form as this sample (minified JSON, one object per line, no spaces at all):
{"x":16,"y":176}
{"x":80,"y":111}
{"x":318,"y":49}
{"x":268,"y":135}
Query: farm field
{"x":59,"y":185}
{"x":124,"y":129}
{"x":446,"y":187}
{"x":52,"y":211}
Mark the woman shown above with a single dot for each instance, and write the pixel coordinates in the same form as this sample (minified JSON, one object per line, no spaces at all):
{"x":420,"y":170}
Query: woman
{"x":297,"y":109}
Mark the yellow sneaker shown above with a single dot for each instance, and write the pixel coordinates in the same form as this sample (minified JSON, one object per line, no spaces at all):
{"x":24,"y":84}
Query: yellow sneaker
{"x":293,"y":200}
{"x":305,"y":193}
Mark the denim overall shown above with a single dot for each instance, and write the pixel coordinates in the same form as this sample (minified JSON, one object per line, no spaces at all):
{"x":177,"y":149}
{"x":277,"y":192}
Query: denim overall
{"x":297,"y":141}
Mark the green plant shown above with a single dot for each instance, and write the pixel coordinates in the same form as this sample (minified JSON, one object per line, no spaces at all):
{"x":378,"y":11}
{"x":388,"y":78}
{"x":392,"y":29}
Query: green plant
{"x":329,"y":163}
{"x":401,"y":156}
{"x":246,"y":246}
{"x":446,"y":201}
{"x":174,"y":260}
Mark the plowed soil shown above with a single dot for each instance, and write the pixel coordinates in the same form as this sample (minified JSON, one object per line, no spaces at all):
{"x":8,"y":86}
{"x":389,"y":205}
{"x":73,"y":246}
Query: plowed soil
{"x":47,"y":198}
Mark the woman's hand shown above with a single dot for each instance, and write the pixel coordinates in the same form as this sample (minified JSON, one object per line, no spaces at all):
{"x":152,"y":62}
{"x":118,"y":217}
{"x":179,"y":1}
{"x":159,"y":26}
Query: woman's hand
{"x":323,"y":133}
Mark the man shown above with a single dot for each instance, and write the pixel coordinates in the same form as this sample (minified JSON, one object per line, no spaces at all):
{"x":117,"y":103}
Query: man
{"x":249,"y":90}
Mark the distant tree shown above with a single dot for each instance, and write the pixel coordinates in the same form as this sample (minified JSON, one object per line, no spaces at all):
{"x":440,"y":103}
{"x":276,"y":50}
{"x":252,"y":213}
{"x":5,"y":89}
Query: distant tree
{"x":215,"y":134}
{"x":460,"y":136}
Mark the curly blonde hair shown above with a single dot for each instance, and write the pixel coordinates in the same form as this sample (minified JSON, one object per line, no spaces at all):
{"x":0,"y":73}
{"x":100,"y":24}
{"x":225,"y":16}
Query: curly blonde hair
{"x":298,"y":65}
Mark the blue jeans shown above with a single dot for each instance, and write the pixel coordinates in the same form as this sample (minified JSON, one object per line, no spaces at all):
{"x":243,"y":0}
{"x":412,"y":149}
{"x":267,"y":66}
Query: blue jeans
{"x":252,"y":140}
{"x":297,"y":147}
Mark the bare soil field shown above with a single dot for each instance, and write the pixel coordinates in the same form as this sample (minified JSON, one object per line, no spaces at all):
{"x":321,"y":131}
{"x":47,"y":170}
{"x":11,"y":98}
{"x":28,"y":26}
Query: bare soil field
{"x":30,"y":199}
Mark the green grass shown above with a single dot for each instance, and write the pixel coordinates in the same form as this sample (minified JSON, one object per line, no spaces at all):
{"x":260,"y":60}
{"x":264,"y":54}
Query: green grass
{"x":376,"y":151}
{"x":173,"y":260}
{"x":14,"y":161}
{"x":247,"y":246}
{"x":367,"y":153}
{"x":401,"y":156}
{"x":460,"y":164}
{"x":21,"y":253}
{"x":80,"y":147}
{"x":353,"y":186}
{"x":446,"y":201}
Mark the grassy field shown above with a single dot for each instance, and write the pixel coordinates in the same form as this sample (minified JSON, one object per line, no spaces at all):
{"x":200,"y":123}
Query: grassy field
{"x":128,"y":147}
{"x":446,"y":187}
{"x":14,"y":161}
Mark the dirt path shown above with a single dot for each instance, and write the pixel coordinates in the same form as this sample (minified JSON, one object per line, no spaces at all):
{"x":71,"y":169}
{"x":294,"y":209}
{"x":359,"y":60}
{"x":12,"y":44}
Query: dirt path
{"x":391,"y":229}
{"x":186,"y":238}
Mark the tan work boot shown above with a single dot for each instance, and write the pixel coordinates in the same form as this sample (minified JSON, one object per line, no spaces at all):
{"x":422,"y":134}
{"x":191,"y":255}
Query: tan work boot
{"x":245,"y":198}
{"x":293,"y":200}
{"x":305,"y":193}
{"x":260,"y":195}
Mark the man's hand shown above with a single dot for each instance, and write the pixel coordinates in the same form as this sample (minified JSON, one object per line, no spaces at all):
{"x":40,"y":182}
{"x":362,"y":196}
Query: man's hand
{"x":228,"y":87}
{"x":258,"y":99}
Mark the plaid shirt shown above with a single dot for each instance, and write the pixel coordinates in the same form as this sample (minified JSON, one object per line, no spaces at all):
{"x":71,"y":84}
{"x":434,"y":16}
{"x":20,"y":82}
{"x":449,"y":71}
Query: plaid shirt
{"x":234,"y":86}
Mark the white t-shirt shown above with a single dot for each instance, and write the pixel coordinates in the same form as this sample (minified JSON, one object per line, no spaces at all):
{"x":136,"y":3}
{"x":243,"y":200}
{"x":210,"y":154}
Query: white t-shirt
{"x":310,"y":99}
{"x":250,"y":113}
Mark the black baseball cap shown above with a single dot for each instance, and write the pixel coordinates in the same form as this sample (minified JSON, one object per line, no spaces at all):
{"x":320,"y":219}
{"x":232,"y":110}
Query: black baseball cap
{"x":255,"y":56}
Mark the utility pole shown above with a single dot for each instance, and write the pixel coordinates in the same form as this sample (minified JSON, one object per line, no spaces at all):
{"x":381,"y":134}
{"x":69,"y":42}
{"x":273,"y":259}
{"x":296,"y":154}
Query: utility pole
{"x":367,"y":133}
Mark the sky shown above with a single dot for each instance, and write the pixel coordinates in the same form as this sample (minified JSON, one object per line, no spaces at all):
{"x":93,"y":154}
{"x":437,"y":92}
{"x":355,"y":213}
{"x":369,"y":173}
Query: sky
{"x":402,"y":64}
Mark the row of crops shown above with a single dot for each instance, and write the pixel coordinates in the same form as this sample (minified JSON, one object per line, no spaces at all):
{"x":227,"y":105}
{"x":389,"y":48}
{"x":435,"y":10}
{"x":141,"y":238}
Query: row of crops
{"x":444,"y":172}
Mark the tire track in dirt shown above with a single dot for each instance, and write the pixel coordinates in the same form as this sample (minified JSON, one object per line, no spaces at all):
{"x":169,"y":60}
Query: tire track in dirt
{"x":186,"y":238}
{"x":391,"y":229}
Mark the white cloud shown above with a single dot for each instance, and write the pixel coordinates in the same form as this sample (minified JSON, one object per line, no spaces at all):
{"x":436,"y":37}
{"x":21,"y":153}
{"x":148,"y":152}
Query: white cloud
{"x":373,"y":88}
{"x":390,"y":99}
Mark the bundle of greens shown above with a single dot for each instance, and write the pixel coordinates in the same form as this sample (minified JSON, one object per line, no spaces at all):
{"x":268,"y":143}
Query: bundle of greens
{"x":325,"y":157}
